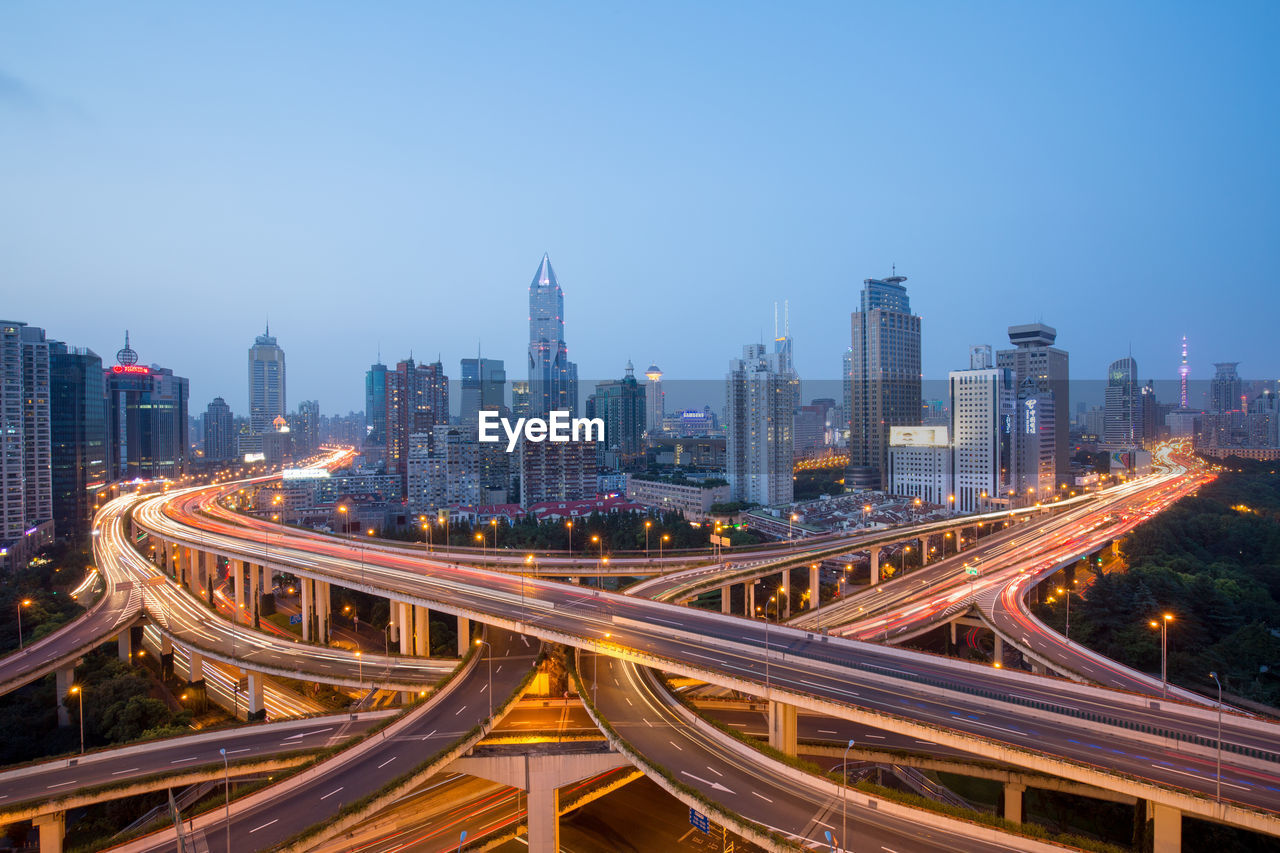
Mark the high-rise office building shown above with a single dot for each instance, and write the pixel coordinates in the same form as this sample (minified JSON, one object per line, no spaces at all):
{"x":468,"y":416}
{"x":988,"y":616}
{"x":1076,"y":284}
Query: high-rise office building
{"x":1120,"y":414}
{"x":417,"y":401}
{"x":78,"y":436}
{"x":443,"y":471}
{"x":884,"y":376}
{"x":521,"y":404}
{"x":484,"y":386}
{"x":1226,"y":390}
{"x":760,"y":404}
{"x":304,"y":426}
{"x":146,"y":419}
{"x":26,"y":487}
{"x":553,"y":379}
{"x":1035,"y":357}
{"x":982,"y":403}
{"x":655,"y":401}
{"x":620,"y":403}
{"x":219,"y":432}
{"x":1035,"y":440}
{"x":846,"y":400}
{"x":266,"y":383}
{"x":556,"y":471}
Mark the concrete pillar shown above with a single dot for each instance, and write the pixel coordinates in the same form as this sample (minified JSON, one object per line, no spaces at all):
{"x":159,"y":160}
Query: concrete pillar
{"x":952,"y":626}
{"x":874,"y":555}
{"x":124,"y":645}
{"x":749,"y":595}
{"x":1036,"y":667}
{"x":1167,"y":837}
{"x":322,"y":612}
{"x":544,"y":813}
{"x":782,"y":727}
{"x":195,"y":665}
{"x":304,"y":593}
{"x":406,"y":628}
{"x":464,"y":635}
{"x":421,"y":631}
{"x":65,"y":677}
{"x":254,"y":697}
{"x":52,"y":828}
{"x":255,"y":591}
{"x":724,"y":599}
{"x":924,"y":551}
{"x":1013,"y":801}
{"x":236,"y":567}
{"x":784,"y":596}
{"x":998,"y":653}
{"x":815,"y":586}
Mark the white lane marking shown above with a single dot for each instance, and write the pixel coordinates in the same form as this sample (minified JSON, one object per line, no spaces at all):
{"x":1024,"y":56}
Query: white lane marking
{"x":331,"y":793}
{"x":826,"y":732}
{"x":714,"y":785}
{"x":666,"y":621}
{"x":999,"y":728}
{"x":241,"y":749}
{"x":265,"y":825}
{"x":1198,"y":776}
{"x":647,"y":723}
{"x":629,"y":702}
{"x":460,"y":710}
{"x":309,"y":734}
{"x":60,"y":784}
{"x":715,"y":771}
{"x":761,"y":796}
{"x":676,"y":745}
{"x":931,"y":743}
{"x":877,"y":737}
{"x":426,"y":736}
{"x":388,"y":761}
{"x":121,"y":772}
{"x":183,"y":760}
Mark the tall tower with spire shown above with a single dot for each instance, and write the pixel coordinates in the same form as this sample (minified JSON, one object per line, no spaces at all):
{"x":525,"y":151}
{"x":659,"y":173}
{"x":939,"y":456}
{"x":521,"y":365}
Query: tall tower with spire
{"x":266,"y":383}
{"x":553,"y":379}
{"x":1184,"y":371}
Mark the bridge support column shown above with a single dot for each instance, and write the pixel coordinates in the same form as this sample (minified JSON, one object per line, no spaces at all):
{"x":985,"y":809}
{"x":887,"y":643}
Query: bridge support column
{"x":124,"y":645}
{"x":64,"y":678}
{"x":254,"y":699}
{"x":874,"y":556}
{"x":997,"y":653}
{"x":255,"y":591}
{"x":235,"y":569}
{"x":749,"y":598}
{"x":1012,"y":801}
{"x":195,"y":666}
{"x":725,"y":606}
{"x":784,"y":595}
{"x":304,"y":595}
{"x":815,"y":586}
{"x":464,"y":635}
{"x":924,"y":551}
{"x":52,"y":828}
{"x":406,"y":627}
{"x":321,"y":589}
{"x":782,"y":727}
{"x":1167,"y":830}
{"x":544,"y":813}
{"x":421,"y":631}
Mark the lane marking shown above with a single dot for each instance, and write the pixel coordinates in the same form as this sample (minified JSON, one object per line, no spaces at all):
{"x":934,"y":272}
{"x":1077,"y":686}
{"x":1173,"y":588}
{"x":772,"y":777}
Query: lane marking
{"x":761,"y":796}
{"x":676,"y":745}
{"x":121,"y":772}
{"x":388,"y":761}
{"x":60,"y":784}
{"x":265,"y":825}
{"x":331,"y":793}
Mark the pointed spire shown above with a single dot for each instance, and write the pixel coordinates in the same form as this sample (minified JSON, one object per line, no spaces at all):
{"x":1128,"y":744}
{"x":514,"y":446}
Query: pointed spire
{"x":545,"y":276}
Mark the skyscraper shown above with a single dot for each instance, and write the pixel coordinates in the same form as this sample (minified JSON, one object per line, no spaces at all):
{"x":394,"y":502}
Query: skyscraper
{"x":146,"y":419}
{"x":620,"y":403}
{"x":266,"y":383}
{"x":219,"y":432}
{"x":1035,"y":357}
{"x":304,"y":426}
{"x":26,"y":488}
{"x":553,"y":379}
{"x":761,"y":403}
{"x":982,"y":407}
{"x":1120,"y":418}
{"x":375,"y":412}
{"x":884,"y":376}
{"x":417,"y":401}
{"x":1226,"y":390}
{"x":521,"y":405}
{"x":484,"y":386}
{"x":655,"y":400}
{"x":78,"y":436}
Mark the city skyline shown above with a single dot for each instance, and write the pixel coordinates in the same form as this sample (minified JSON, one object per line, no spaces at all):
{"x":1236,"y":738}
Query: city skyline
{"x":1074,"y":191}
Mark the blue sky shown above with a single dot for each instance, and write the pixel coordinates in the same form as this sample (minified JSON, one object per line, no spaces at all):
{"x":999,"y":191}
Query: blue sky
{"x":390,"y":175}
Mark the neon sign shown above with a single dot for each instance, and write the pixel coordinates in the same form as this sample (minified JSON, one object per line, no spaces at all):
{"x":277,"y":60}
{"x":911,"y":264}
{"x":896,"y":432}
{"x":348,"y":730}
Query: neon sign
{"x":136,"y":369}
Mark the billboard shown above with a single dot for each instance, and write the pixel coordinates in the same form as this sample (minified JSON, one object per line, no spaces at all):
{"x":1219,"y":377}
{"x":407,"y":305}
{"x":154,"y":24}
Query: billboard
{"x":918,"y":436}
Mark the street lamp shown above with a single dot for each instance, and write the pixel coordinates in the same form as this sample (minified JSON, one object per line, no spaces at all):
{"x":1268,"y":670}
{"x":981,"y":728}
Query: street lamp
{"x":1067,"y":593}
{"x":484,"y":551}
{"x":359,"y":669}
{"x":666,"y":537}
{"x":226,"y":770}
{"x":26,"y":602}
{"x":844,"y":797}
{"x":480,"y":642}
{"x":791,"y":519}
{"x":1163,"y":625}
{"x":1214,"y":676}
{"x":80,"y":694}
{"x":647,"y":525}
{"x":444,"y":522}
{"x":528,"y":561}
{"x":568,"y":525}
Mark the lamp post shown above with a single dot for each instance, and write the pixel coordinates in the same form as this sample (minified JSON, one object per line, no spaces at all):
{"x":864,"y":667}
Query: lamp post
{"x":1214,"y":676}
{"x":480,"y":642}
{"x":666,"y":537}
{"x":791,"y":520}
{"x":1067,"y":593}
{"x":568,"y":525}
{"x":844,"y":797}
{"x":26,"y":602}
{"x":528,"y":561}
{"x":444,"y":522}
{"x":484,"y":551}
{"x":1163,"y":625}
{"x":647,"y":525}
{"x":226,"y":770}
{"x":80,"y":695}
{"x":359,"y":669}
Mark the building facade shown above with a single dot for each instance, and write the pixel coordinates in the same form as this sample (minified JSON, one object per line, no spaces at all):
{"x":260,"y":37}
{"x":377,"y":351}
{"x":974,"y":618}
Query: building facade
{"x":146,"y":419}
{"x":26,"y":486}
{"x":484,"y":386}
{"x":556,"y":471}
{"x":266,"y":383}
{"x":982,"y":402}
{"x":219,"y":432}
{"x":553,"y":379}
{"x":620,"y":403}
{"x":1120,"y":424}
{"x":78,"y":437}
{"x":884,"y":376}
{"x":655,"y":401}
{"x":693,"y":499}
{"x":920,"y":464}
{"x":1035,"y":357}
{"x":760,"y":406}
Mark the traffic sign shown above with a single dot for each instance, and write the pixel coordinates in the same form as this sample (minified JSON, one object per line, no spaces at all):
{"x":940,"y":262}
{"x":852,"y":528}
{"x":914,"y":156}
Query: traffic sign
{"x":699,"y":821}
{"x":295,"y":619}
{"x":972,"y":570}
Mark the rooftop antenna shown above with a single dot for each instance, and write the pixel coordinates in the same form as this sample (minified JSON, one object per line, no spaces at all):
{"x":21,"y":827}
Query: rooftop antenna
{"x":786,"y":317}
